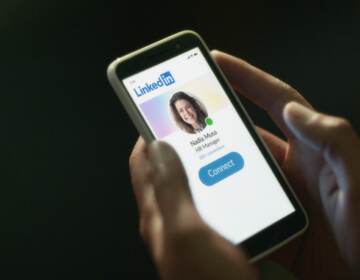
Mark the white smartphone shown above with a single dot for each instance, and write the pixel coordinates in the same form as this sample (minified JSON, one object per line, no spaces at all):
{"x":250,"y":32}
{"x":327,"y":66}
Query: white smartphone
{"x":174,"y":91}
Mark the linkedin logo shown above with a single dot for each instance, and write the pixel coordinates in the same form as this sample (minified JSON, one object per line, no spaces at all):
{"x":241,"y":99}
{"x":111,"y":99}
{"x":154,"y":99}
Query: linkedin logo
{"x":165,"y":79}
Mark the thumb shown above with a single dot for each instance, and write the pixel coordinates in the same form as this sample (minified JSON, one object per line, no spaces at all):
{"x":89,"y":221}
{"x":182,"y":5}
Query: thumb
{"x":171,"y":187}
{"x":332,"y":137}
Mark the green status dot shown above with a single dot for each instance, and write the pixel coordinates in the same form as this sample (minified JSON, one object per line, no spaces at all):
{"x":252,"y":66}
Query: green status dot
{"x":209,"y":121}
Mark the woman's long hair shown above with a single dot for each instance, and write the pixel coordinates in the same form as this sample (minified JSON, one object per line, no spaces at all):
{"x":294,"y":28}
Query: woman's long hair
{"x":198,"y":107}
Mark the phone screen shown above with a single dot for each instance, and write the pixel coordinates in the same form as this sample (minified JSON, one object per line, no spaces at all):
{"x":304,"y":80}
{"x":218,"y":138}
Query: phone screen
{"x":184,"y":104}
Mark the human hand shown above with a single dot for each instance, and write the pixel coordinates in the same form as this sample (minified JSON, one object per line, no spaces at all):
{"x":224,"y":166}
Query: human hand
{"x":320,"y":158}
{"x":181,"y":243}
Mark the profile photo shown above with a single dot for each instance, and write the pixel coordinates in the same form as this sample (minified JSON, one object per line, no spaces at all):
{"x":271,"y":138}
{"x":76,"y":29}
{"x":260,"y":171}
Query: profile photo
{"x":188,"y":112}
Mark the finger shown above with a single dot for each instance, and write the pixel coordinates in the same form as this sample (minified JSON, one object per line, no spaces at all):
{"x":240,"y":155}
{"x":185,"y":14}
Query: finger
{"x":191,"y":244}
{"x":171,"y":188}
{"x":139,"y":172}
{"x":150,"y":224}
{"x":263,"y":89}
{"x":331,"y":136}
{"x":277,"y":146}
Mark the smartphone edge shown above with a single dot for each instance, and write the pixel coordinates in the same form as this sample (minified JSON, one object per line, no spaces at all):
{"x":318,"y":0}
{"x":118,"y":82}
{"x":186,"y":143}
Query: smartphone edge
{"x":148,"y":136}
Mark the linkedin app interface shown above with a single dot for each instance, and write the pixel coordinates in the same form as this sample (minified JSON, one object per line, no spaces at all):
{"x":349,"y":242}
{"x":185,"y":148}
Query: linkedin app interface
{"x":233,"y":187}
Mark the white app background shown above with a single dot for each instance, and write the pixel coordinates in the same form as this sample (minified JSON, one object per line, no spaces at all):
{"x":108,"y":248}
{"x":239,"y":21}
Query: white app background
{"x":237,"y":206}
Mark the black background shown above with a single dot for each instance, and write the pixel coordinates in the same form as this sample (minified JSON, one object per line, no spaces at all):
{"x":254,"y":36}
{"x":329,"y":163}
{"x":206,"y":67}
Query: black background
{"x":66,"y":205}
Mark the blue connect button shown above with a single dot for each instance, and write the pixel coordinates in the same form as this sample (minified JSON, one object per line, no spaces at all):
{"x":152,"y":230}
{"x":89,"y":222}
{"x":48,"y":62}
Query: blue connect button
{"x":221,"y":168}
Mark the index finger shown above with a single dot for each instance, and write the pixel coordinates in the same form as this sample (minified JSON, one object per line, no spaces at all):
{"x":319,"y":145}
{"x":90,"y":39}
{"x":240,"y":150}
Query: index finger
{"x":265,"y":90}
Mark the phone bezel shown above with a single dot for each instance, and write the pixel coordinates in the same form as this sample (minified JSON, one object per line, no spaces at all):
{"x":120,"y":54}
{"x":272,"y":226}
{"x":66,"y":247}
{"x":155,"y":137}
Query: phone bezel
{"x":270,"y":237}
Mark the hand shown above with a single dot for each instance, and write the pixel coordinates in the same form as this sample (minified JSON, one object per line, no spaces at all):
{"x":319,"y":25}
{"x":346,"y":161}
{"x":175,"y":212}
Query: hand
{"x":320,"y":158}
{"x":182,"y":245}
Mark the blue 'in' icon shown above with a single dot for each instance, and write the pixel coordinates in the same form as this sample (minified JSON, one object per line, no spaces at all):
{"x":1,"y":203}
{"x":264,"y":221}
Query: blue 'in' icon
{"x":167,"y":78}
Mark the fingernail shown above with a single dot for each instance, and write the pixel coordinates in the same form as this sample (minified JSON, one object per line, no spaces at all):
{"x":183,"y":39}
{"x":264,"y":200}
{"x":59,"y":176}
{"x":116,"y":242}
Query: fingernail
{"x":215,"y":52}
{"x":163,"y":161}
{"x":159,"y":153}
{"x":297,"y":114}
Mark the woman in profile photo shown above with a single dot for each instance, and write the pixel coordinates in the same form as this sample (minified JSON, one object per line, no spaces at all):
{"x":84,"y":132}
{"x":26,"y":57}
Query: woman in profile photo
{"x":189,"y":114}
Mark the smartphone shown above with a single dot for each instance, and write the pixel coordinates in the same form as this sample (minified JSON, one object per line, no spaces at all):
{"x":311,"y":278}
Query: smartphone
{"x":173,"y":91}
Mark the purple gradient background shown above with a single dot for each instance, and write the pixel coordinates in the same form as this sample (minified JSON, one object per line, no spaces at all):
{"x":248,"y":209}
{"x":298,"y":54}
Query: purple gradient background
{"x":157,"y":113}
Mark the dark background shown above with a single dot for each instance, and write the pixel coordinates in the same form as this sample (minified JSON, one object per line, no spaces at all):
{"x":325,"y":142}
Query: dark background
{"x":66,"y":205}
